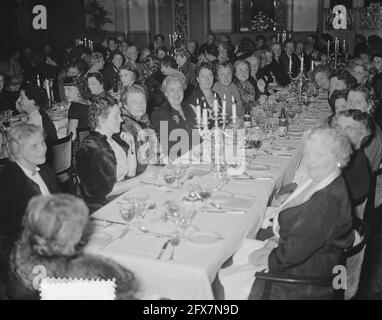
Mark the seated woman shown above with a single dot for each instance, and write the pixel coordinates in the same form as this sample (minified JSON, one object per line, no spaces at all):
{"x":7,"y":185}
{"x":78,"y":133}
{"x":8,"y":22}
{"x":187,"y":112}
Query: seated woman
{"x":96,"y":85}
{"x":248,"y":92}
{"x":105,"y":159}
{"x":360,"y":98}
{"x":225,"y":88}
{"x":77,"y":94}
{"x":174,"y":118}
{"x":338,"y":100}
{"x":314,"y":224}
{"x":97,"y":63}
{"x":321,"y":75}
{"x":357,"y":126}
{"x":25,"y":176}
{"x":32,"y":102}
{"x":137,"y":123}
{"x":53,"y":228}
{"x":111,"y":70}
{"x":359,"y":71}
{"x":259,"y":84}
{"x":340,"y":80}
{"x":203,"y":92}
{"x":153,"y":83}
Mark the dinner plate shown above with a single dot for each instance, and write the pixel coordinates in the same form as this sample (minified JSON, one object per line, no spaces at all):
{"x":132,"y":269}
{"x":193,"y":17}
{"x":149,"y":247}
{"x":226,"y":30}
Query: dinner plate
{"x":204,"y":237}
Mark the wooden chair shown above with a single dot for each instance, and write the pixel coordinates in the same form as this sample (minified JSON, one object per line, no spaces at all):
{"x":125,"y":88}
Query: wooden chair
{"x":3,"y":163}
{"x":60,"y":158}
{"x":82,"y":134}
{"x":351,"y":258}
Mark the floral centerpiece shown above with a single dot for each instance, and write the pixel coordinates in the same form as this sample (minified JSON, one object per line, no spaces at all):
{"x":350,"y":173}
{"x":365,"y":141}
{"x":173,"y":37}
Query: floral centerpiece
{"x":261,"y":22}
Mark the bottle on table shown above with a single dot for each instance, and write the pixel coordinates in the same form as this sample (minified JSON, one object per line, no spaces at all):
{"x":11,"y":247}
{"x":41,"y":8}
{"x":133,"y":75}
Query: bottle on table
{"x":283,"y":123}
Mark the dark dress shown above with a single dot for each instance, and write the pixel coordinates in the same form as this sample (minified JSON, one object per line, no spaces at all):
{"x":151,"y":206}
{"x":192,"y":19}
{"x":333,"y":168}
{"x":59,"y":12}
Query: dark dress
{"x":284,"y":59}
{"x":168,"y":115}
{"x":49,"y":128}
{"x":189,"y":71}
{"x":16,"y":189}
{"x":197,"y":94}
{"x":377,"y":86}
{"x":357,"y":175}
{"x":96,"y":167}
{"x":110,"y":75}
{"x":277,"y":69}
{"x":80,"y":112}
{"x":312,"y":238}
{"x":154,"y":87}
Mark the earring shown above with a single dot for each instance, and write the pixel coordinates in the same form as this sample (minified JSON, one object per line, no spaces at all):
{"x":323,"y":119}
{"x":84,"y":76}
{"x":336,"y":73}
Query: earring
{"x":339,"y":165}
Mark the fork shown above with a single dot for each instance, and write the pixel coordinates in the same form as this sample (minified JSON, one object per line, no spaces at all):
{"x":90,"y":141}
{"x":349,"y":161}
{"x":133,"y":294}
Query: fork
{"x":175,"y":240}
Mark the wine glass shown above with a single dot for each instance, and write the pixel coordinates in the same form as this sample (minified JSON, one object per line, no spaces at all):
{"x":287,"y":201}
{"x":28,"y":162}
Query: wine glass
{"x":133,"y":206}
{"x":291,"y":113}
{"x":300,"y":102}
{"x":169,"y":175}
{"x":184,"y":221}
{"x":180,"y":172}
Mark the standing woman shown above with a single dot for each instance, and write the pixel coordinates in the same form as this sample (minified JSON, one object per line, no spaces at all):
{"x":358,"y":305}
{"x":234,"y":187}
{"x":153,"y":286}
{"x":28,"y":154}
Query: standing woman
{"x":203,"y":92}
{"x":77,"y":94}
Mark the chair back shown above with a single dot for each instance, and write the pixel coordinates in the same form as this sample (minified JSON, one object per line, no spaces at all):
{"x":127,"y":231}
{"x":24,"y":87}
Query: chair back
{"x":82,"y":133}
{"x":3,"y":163}
{"x":61,"y":157}
{"x":353,"y":258}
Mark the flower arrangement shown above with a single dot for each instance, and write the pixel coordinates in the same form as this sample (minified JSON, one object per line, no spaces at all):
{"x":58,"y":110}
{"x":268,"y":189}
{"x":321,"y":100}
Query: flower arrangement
{"x":261,"y":22}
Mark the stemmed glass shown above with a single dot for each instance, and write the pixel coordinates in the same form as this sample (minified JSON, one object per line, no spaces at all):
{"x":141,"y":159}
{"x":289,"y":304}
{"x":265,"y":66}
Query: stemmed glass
{"x":255,"y":142}
{"x":291,"y":113}
{"x":132,"y":207}
{"x":180,"y":172}
{"x":169,"y":175}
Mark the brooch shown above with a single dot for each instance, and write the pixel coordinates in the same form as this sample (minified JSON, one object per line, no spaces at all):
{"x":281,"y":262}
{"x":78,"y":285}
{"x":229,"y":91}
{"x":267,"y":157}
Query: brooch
{"x":176,"y":119}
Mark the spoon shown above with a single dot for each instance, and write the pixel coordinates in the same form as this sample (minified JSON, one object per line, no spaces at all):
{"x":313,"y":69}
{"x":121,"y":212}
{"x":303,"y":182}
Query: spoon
{"x":155,"y":234}
{"x":175,"y":240}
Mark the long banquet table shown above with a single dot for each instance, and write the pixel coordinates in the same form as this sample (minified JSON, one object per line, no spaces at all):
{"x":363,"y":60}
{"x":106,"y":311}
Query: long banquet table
{"x":195,"y":266}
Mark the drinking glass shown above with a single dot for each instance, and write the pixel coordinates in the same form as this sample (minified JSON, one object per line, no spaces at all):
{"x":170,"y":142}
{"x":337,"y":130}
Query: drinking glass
{"x":169,"y":175}
{"x":180,"y":172}
{"x":184,"y":221}
{"x":291,"y":113}
{"x":133,"y":206}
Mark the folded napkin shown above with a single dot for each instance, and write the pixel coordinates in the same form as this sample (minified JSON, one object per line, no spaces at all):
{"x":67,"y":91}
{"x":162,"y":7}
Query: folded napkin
{"x":238,"y":278}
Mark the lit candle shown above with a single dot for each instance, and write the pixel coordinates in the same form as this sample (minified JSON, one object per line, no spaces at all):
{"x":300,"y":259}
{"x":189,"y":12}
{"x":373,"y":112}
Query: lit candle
{"x":224,"y":111}
{"x":278,"y":37}
{"x":38,"y":80}
{"x":233,"y":109}
{"x":344,"y":46}
{"x":216,"y":105}
{"x":205,"y":116}
{"x":328,"y":47}
{"x":312,"y":66}
{"x":47,"y":88}
{"x":302,"y":63}
{"x":290,"y":64}
{"x":86,"y":43}
{"x":198,"y":112}
{"x":336,"y":45}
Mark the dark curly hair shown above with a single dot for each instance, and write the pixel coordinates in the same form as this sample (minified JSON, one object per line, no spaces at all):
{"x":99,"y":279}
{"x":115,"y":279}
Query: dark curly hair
{"x":35,"y":93}
{"x":204,"y":65}
{"x":100,"y":107}
{"x":81,"y":84}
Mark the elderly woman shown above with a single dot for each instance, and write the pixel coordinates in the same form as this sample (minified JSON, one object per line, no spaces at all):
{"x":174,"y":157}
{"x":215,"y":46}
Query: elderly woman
{"x":321,"y":75}
{"x":111,"y":71}
{"x":314,"y":224}
{"x":172,"y":115}
{"x":259,"y":84}
{"x":132,"y":54}
{"x":227,"y":90}
{"x":276,"y":66}
{"x":32,"y":102}
{"x":153,"y":83}
{"x":248,"y":92}
{"x":53,"y":228}
{"x":25,"y":176}
{"x":265,"y":71}
{"x":338,"y":101}
{"x":105,"y":159}
{"x":97,"y":63}
{"x":137,"y":123}
{"x":359,"y":71}
{"x":203,"y":93}
{"x":357,"y":126}
{"x":77,"y":94}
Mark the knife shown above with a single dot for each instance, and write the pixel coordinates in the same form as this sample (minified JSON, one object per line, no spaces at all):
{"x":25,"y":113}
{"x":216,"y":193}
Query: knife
{"x":164,"y":247}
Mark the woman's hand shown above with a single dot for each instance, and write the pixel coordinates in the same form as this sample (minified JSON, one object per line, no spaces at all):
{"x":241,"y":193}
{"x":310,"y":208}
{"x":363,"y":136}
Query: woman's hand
{"x":259,"y":258}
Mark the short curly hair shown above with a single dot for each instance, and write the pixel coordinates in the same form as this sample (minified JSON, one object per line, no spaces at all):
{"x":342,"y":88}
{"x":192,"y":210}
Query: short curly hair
{"x":100,"y":107}
{"x":16,"y":137}
{"x":335,"y":140}
{"x":80,"y":83}
{"x":173,"y":78}
{"x":35,"y":93}
{"x":54,"y":224}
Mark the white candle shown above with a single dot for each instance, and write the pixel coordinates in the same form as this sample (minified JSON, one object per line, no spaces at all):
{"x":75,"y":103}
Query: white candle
{"x":198,"y":112}
{"x":290,"y":64}
{"x":328,"y":47}
{"x":224,"y":111}
{"x":302,"y":63}
{"x":216,"y":105}
{"x":38,"y":80}
{"x":47,"y":89}
{"x":312,"y":66}
{"x":344,"y":46}
{"x":205,"y":116}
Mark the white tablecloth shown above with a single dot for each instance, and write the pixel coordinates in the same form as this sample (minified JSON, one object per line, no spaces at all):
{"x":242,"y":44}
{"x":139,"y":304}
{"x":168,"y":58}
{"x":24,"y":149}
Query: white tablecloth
{"x":190,"y":274}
